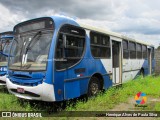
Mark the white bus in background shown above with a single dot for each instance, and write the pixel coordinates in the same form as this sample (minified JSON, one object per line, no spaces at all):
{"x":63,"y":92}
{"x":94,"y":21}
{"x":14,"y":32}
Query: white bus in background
{"x":138,"y":58}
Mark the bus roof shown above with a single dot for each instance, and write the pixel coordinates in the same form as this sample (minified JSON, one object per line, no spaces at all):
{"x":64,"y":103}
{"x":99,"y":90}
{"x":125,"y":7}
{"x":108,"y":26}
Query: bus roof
{"x":89,"y":27}
{"x":113,"y":34}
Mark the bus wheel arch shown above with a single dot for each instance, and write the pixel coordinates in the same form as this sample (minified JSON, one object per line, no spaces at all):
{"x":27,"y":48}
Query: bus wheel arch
{"x":96,"y":83}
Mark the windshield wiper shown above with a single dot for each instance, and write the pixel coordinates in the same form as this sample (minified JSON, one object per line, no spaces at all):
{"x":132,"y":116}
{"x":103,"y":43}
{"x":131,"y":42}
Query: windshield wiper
{"x":28,"y":46}
{"x":31,"y":41}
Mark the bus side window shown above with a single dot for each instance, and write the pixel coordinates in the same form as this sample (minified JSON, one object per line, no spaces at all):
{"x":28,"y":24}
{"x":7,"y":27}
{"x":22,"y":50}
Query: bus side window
{"x":74,"y":47}
{"x":139,"y":51}
{"x":70,"y":46}
{"x":132,"y":49}
{"x":100,"y":45}
{"x":125,"y":49}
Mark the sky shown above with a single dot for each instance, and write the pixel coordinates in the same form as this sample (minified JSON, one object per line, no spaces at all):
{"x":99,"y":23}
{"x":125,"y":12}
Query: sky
{"x":139,"y":19}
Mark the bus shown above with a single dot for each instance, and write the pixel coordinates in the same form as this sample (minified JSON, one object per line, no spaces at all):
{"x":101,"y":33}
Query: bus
{"x":5,"y":44}
{"x":58,"y":58}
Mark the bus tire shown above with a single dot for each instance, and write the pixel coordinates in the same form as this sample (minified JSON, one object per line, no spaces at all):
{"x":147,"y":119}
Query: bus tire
{"x":142,"y":72}
{"x":93,"y":87}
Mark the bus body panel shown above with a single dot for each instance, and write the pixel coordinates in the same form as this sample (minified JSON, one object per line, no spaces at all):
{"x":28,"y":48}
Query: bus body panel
{"x":145,"y":66}
{"x":44,"y":91}
{"x":75,"y":85}
{"x":80,"y":80}
{"x":26,"y":78}
{"x":133,"y":69}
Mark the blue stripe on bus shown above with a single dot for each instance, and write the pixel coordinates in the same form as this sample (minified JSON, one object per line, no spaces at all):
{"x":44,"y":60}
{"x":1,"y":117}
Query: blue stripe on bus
{"x":2,"y":73}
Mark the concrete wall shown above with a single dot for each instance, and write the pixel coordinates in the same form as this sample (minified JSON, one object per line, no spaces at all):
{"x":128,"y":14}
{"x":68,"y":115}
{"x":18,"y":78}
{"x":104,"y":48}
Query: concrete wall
{"x":157,"y":58}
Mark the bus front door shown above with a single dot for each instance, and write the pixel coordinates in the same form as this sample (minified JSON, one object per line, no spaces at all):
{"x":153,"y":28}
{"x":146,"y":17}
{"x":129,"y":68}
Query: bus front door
{"x":116,"y":62}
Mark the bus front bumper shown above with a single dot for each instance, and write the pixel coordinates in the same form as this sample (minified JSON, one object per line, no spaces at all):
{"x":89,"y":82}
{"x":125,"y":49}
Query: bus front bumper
{"x":3,"y":80}
{"x":44,"y":91}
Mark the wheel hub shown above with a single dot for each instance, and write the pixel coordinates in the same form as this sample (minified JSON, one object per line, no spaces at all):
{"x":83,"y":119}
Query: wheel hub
{"x":94,"y":88}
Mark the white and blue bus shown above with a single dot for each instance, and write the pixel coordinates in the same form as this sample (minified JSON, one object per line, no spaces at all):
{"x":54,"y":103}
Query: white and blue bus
{"x":5,"y":44}
{"x":58,"y":58}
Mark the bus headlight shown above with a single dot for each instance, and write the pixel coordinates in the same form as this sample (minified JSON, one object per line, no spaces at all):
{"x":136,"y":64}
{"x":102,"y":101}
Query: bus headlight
{"x":3,"y":69}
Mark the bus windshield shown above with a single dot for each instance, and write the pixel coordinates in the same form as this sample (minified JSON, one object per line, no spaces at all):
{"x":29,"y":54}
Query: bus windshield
{"x":5,"y":47}
{"x":30,"y":51}
{"x":31,"y":44}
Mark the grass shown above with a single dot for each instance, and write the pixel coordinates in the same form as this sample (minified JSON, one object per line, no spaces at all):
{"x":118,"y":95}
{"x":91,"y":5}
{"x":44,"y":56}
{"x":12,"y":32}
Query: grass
{"x":113,"y":96}
{"x":103,"y":102}
{"x":9,"y":102}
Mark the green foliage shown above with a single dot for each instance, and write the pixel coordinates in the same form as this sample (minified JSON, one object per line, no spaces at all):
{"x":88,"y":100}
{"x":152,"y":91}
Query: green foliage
{"x":115,"y":95}
{"x":102,"y":102}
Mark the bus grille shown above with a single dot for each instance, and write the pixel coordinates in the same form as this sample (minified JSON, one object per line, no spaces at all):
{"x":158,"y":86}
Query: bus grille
{"x":27,"y":82}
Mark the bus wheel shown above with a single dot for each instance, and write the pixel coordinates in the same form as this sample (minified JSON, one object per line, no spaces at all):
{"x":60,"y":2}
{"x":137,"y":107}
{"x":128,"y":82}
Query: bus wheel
{"x":142,"y":72}
{"x":94,"y":86}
